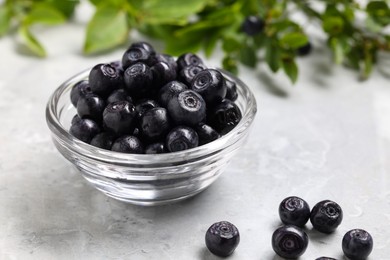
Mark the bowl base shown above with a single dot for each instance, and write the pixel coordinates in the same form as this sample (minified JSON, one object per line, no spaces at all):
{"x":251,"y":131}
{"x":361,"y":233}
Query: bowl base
{"x":150,"y":195}
{"x":155,"y":202}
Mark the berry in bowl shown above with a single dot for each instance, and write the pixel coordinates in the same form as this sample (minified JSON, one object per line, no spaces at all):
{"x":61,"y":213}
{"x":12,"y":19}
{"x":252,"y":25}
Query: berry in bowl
{"x":151,"y":129}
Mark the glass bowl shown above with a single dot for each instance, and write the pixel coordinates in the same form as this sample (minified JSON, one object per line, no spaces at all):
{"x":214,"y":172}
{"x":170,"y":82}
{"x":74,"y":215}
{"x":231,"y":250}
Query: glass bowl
{"x":147,"y":179}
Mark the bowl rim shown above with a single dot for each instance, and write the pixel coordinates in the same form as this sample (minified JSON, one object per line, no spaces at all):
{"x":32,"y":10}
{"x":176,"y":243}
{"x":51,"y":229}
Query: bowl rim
{"x":88,"y":151}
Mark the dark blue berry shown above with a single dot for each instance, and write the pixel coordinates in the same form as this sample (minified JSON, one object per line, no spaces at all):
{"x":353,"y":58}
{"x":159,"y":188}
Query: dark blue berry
{"x":187,"y":74}
{"x":104,"y":78}
{"x":326,"y":216}
{"x":155,"y":148}
{"x":91,"y":106}
{"x":128,"y":144}
{"x":120,"y":118}
{"x":357,"y":244}
{"x":222,"y":238}
{"x":188,"y":59}
{"x":117,"y":65}
{"x":181,"y":138}
{"x":145,"y":105}
{"x":169,"y":90}
{"x":167,"y":59}
{"x":305,"y":49}
{"x":210,"y":84}
{"x":137,"y":55}
{"x":294,"y":211}
{"x":162,"y":74}
{"x":119,"y":95}
{"x":144,"y":45}
{"x":75,"y":119}
{"x":136,"y":132}
{"x":187,"y":108}
{"x":252,"y":25}
{"x":154,"y":124}
{"x":138,"y":80}
{"x":325,"y":258}
{"x":224,"y":117}
{"x":103,"y":140}
{"x":80,"y":89}
{"x":84,"y":130}
{"x":289,"y":241}
{"x":231,"y":90}
{"x":206,"y":134}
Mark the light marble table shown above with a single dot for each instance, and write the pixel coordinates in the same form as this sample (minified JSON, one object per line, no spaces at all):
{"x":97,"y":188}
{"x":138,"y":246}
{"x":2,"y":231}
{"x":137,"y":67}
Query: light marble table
{"x":327,"y":137}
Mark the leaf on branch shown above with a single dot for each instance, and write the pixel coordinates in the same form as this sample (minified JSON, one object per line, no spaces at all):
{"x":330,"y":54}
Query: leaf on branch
{"x":5,"y":19}
{"x":161,"y":31}
{"x":372,"y":25}
{"x":170,"y":11}
{"x":379,"y":11}
{"x":333,"y":25}
{"x":338,"y":52}
{"x":107,"y":29}
{"x":230,"y":64}
{"x":209,"y":44}
{"x":179,"y":45}
{"x":293,"y":40}
{"x":273,"y":55}
{"x":291,"y":69}
{"x":30,"y":42}
{"x":248,"y":56}
{"x":66,"y":7}
{"x":45,"y":14}
{"x":367,"y":66}
{"x":232,"y":42}
{"x":353,"y":58}
{"x":282,"y":25}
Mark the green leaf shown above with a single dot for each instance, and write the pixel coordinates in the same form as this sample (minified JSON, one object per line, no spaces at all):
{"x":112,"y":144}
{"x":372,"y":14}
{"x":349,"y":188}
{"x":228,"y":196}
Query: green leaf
{"x":31,"y":42}
{"x":230,"y":64}
{"x":291,"y":69}
{"x":379,"y":11}
{"x":349,"y":13}
{"x":338,"y":51}
{"x":272,"y":56}
{"x":107,"y":29}
{"x":161,"y":31}
{"x":248,"y":56}
{"x":44,"y":13}
{"x":5,"y":19}
{"x":112,"y":3}
{"x":281,"y":25}
{"x":210,"y":43}
{"x":232,"y":42}
{"x":96,"y":2}
{"x":260,"y":40}
{"x":179,"y":45}
{"x":66,"y":7}
{"x":250,"y":7}
{"x":367,"y":66}
{"x":333,"y":25}
{"x":293,"y":40}
{"x":372,"y":25}
{"x":170,"y":11}
{"x":353,"y":58}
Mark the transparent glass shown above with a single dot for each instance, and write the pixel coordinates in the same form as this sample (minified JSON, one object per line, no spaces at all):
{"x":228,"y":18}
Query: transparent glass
{"x":147,"y":179}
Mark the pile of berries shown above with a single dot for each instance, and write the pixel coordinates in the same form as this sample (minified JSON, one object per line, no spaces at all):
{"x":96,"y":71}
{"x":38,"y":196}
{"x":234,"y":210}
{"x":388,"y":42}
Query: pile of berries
{"x":290,"y":240}
{"x":152,"y":103}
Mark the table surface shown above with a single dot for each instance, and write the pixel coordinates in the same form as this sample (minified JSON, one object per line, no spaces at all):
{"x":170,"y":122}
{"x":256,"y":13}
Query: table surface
{"x":327,"y":137}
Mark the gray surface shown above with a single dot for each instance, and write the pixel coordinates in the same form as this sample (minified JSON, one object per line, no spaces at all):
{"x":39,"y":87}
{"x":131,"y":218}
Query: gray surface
{"x":328,"y":137}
